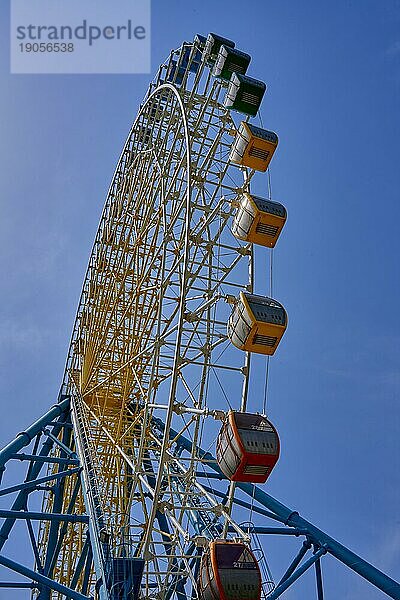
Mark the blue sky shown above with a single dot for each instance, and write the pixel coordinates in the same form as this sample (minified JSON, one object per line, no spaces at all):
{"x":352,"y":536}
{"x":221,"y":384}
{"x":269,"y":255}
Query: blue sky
{"x":333,"y":75}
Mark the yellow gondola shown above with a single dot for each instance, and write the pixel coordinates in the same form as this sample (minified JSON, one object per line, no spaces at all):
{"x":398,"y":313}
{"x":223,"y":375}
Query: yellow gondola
{"x":253,"y":147}
{"x":257,"y":324}
{"x":259,"y":220}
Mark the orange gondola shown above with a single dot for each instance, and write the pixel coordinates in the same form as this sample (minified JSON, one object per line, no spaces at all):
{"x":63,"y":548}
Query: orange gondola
{"x":247,"y":447}
{"x":229,"y":571}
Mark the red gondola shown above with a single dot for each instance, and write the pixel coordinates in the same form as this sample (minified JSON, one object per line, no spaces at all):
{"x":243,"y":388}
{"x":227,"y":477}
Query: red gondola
{"x":247,"y":447}
{"x":229,"y":571}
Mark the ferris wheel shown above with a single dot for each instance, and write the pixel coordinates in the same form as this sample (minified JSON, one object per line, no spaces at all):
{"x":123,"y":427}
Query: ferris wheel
{"x":151,"y":358}
{"x":158,"y":377}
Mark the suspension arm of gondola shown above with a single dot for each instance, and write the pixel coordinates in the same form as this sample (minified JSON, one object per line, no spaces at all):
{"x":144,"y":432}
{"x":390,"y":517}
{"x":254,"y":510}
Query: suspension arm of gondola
{"x":180,"y":408}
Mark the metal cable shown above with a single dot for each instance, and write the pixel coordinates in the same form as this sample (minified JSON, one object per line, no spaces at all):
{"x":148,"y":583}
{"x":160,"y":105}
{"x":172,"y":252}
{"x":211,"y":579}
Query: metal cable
{"x":271,"y":264}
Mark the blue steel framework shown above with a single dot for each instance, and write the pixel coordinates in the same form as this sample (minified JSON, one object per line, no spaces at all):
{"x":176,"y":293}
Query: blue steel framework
{"x":54,"y":421}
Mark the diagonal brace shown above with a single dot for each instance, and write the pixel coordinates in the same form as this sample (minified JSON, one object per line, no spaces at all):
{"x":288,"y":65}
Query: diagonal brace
{"x":42,"y":579}
{"x":294,"y":576}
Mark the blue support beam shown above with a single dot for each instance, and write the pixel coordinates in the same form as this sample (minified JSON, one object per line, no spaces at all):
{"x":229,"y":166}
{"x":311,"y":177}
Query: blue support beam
{"x":293,"y":519}
{"x":81,"y":563}
{"x":41,"y":579}
{"x":274,"y":530}
{"x":33,"y":472}
{"x":68,"y":451}
{"x":335,"y":548}
{"x":282,"y":587}
{"x":275,"y":509}
{"x":57,"y":505}
{"x":87,"y":571}
{"x":17,"y":585}
{"x":296,"y":561}
{"x":34,"y":545}
{"x":34,"y":482}
{"x":252,"y":507}
{"x":24,"y":438}
{"x":53,"y":418}
{"x":45,"y":459}
{"x":39,"y":516}
{"x":64,"y":527}
{"x":318,"y":575}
